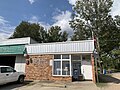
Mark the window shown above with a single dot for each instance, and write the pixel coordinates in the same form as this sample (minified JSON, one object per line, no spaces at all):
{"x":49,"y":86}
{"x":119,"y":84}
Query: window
{"x":57,"y":67}
{"x":76,"y":57}
{"x":61,"y":65}
{"x":6,"y":69}
{"x":86,"y":57}
{"x":66,"y":56}
{"x":57,"y":56}
{"x":65,"y":68}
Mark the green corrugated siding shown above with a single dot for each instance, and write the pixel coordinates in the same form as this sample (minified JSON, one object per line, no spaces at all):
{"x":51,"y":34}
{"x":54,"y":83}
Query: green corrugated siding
{"x":12,"y":49}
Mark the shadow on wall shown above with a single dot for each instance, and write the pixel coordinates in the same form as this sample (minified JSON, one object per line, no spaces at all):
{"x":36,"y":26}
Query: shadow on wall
{"x":108,"y":79}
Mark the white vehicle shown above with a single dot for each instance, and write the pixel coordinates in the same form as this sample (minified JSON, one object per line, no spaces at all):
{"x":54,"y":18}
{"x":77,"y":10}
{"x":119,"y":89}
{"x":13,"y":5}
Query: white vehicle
{"x":8,"y":74}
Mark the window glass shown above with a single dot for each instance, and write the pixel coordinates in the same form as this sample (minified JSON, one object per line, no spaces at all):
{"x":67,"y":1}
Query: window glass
{"x":75,"y":57}
{"x":86,"y":57}
{"x":65,"y":56}
{"x":65,"y":68}
{"x":57,"y":68}
{"x":6,"y":69}
{"x":57,"y":56}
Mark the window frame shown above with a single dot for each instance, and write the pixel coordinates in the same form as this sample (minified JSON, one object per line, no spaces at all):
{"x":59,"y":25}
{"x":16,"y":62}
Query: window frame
{"x":61,"y":60}
{"x":53,"y":68}
{"x":62,"y":67}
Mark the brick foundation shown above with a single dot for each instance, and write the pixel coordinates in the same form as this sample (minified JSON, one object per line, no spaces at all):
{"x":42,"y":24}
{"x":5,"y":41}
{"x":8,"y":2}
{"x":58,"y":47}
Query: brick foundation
{"x":38,"y":68}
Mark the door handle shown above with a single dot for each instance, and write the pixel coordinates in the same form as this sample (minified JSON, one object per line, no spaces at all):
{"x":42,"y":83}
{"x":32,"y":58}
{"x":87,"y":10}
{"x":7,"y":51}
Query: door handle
{"x":7,"y":74}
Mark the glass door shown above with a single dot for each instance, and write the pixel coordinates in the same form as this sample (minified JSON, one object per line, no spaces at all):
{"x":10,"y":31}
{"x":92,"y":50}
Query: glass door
{"x":76,"y":67}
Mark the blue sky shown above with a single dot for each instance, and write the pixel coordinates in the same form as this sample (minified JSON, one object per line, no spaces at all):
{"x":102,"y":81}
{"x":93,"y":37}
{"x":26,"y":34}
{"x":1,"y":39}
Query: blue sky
{"x":44,"y":12}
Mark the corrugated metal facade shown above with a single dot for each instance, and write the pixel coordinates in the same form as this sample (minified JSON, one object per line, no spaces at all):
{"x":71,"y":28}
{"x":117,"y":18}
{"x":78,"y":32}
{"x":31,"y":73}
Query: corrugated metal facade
{"x":85,"y":46}
{"x":17,"y":41}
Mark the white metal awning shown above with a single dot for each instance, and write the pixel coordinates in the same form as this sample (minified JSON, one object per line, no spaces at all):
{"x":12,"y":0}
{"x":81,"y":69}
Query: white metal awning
{"x":70,"y":47}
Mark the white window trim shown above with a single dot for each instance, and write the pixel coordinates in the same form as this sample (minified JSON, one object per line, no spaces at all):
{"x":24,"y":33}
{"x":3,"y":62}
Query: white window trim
{"x":62,"y":75}
{"x":61,"y":66}
{"x":70,"y":66}
{"x":53,"y":68}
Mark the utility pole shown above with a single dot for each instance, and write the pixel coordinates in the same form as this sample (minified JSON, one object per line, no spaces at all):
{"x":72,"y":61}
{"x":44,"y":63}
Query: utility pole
{"x":96,"y":54}
{"x":96,"y":66}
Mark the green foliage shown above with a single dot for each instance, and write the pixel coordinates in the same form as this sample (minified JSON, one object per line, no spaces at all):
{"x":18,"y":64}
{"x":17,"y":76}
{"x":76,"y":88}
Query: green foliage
{"x":64,"y":36}
{"x":92,"y":17}
{"x":33,"y":30}
{"x":55,"y":34}
{"x":38,"y":33}
{"x":89,"y":16}
{"x":116,"y":52}
{"x":108,"y":62}
{"x":109,"y":36}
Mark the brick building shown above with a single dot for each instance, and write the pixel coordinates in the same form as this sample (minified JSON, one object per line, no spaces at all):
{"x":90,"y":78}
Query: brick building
{"x":61,"y":61}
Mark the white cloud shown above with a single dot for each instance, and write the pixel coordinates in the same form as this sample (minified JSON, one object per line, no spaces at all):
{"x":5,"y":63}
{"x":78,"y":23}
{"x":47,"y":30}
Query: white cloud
{"x":116,"y":8}
{"x":5,"y":28}
{"x":2,"y":20}
{"x":72,"y":2}
{"x":35,"y":19}
{"x":45,"y":25}
{"x":31,"y":1}
{"x":62,"y":20}
{"x":3,"y":36}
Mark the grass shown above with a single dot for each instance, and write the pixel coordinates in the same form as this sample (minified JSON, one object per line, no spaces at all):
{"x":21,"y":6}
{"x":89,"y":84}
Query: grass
{"x":102,"y":81}
{"x":101,"y":85}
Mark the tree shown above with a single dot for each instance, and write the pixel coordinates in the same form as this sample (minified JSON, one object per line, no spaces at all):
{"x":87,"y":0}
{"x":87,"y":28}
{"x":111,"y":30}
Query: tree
{"x":64,"y":36}
{"x":55,"y":34}
{"x":38,"y":33}
{"x":107,"y":41}
{"x":33,"y":30}
{"x":89,"y":16}
{"x":92,"y":18}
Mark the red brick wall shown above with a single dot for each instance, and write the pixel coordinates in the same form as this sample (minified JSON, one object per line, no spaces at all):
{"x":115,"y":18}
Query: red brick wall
{"x":38,"y":68}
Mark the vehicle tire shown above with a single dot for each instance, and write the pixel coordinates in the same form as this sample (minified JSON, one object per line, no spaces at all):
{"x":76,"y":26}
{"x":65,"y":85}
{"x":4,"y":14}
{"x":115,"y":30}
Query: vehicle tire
{"x":21,"y":79}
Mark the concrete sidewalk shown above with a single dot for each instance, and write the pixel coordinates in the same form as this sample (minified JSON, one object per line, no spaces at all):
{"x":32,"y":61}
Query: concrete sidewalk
{"x":45,"y":85}
{"x":38,"y":85}
{"x":83,"y":85}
